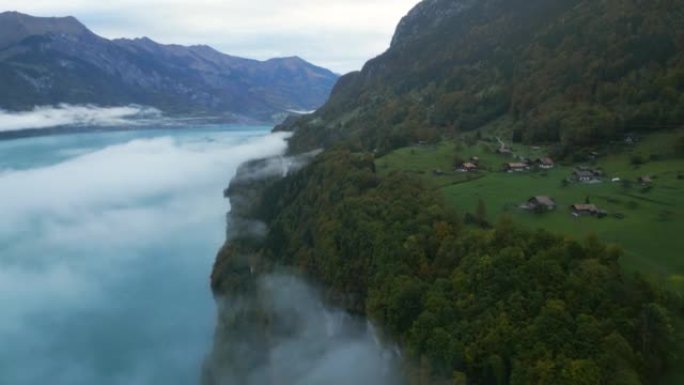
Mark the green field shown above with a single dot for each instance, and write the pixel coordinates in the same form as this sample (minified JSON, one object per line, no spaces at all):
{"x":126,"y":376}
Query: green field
{"x":649,"y":224}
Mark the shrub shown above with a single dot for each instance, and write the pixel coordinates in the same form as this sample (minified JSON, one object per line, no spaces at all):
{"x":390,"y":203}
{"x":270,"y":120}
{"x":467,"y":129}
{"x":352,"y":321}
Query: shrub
{"x":637,"y":160}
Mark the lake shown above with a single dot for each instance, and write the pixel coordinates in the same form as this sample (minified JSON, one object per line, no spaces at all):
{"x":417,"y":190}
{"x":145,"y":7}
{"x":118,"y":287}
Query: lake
{"x":107,"y":241}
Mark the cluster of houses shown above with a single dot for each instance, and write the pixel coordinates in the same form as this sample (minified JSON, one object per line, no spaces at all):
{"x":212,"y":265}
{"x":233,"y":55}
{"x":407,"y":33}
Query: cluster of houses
{"x":473,"y":165}
{"x":596,"y":175}
{"x":526,"y":165}
{"x":544,"y":203}
{"x":581,"y":174}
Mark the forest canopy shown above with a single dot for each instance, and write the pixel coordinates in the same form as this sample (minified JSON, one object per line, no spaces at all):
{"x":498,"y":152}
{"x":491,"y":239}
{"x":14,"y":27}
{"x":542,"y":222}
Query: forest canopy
{"x":496,"y":306}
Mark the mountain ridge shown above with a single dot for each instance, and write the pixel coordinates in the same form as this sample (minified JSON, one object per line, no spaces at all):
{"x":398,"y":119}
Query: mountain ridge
{"x":59,"y":60}
{"x":547,"y":66}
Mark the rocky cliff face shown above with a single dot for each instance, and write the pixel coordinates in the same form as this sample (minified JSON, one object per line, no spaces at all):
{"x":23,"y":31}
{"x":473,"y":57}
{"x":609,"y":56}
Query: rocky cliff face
{"x":58,"y":60}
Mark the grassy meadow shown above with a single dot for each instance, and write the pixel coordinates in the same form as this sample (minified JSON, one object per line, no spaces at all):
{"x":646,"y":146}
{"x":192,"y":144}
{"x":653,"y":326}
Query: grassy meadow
{"x":648,"y":222}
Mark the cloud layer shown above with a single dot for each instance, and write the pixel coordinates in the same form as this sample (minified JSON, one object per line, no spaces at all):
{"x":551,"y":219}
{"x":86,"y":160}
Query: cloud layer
{"x":104,"y":256}
{"x":338,"y":34}
{"x":70,"y":115}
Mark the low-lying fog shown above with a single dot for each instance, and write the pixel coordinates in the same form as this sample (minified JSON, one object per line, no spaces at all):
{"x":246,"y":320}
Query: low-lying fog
{"x":76,"y":115}
{"x":106,"y":244}
{"x":107,"y":241}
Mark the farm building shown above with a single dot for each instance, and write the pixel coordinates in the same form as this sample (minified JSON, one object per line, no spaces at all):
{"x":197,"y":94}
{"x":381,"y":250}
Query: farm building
{"x":468,"y":167}
{"x":586,"y":175}
{"x":545,"y":163}
{"x":579,"y":209}
{"x":540,"y":203}
{"x":516,"y":167}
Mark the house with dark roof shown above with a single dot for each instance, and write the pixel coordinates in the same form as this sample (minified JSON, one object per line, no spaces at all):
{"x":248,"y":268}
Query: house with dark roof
{"x":468,"y":167}
{"x":580,"y":209}
{"x":540,"y":203}
{"x":586,"y":175}
{"x":545,"y":163}
{"x":516,"y":167}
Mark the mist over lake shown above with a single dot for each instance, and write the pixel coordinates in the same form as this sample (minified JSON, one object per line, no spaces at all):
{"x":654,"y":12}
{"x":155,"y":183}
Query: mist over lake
{"x":106,"y":244}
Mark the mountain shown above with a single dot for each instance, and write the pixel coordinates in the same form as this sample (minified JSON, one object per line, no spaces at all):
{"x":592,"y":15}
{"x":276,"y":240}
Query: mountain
{"x":467,"y":301}
{"x":573,"y":72}
{"x":59,"y":60}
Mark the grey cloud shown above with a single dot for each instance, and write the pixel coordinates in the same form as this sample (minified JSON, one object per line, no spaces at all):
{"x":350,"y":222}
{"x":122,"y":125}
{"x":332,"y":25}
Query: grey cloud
{"x":249,"y":175}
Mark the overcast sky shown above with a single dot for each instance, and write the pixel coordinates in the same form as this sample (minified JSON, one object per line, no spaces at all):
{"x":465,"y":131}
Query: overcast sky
{"x":337,"y":34}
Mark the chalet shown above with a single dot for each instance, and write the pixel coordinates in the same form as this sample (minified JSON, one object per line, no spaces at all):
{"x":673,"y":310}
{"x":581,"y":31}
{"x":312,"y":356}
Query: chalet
{"x":645,"y":180}
{"x":584,"y":208}
{"x":504,"y":151}
{"x":516,"y":167}
{"x":579,"y":209}
{"x":587,"y":175}
{"x":468,"y":167}
{"x":545,"y":163}
{"x":540,"y":203}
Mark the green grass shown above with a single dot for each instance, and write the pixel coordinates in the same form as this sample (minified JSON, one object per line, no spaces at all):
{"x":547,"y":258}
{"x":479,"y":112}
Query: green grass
{"x":651,"y":232}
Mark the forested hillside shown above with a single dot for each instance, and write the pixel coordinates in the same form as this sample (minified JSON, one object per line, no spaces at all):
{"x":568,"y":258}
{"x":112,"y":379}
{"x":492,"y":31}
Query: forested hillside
{"x":493,"y":306}
{"x":574,"y":72}
{"x":470,"y":298}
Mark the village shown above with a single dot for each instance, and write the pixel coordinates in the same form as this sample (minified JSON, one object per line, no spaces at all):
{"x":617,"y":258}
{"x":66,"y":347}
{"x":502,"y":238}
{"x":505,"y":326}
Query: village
{"x":540,"y":204}
{"x":614,"y":191}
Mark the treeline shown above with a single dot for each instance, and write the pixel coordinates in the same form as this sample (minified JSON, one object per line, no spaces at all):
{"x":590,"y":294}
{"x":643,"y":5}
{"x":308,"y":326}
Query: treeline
{"x":575,"y":72}
{"x":495,"y":306}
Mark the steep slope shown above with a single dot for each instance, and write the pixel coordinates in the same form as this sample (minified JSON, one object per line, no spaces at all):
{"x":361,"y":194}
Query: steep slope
{"x":58,"y":60}
{"x":569,"y":71}
{"x":482,"y":304}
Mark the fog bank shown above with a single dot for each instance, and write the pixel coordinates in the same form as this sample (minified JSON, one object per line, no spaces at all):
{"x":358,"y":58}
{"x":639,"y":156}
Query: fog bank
{"x":72,"y":115}
{"x":105,"y":253}
{"x":291,"y":338}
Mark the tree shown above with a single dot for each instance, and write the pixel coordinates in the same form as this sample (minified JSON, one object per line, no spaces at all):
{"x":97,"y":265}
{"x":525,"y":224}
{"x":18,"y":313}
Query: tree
{"x":679,"y":147}
{"x":481,"y":213}
{"x":636,"y":160}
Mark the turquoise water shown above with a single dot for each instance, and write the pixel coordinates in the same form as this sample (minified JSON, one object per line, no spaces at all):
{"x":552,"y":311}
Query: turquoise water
{"x":106,"y":245}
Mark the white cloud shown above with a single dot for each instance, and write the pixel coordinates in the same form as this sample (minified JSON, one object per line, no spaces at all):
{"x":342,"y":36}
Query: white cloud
{"x":70,"y":115}
{"x":339,"y":34}
{"x":123,"y":236}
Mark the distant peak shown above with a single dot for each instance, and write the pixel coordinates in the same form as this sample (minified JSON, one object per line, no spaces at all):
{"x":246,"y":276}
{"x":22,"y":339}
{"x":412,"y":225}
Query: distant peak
{"x":15,"y":26}
{"x":289,"y":60}
{"x":37,"y":20}
{"x":11,"y":14}
{"x":144,"y":40}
